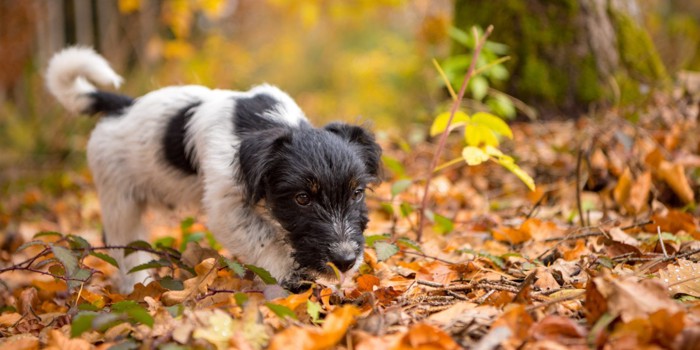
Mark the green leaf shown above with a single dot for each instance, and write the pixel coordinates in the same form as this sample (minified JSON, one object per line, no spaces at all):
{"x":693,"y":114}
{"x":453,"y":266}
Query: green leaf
{"x":104,"y":257}
{"x":29,"y":244}
{"x":164,"y":242}
{"x":474,"y":155}
{"x":385,"y":250}
{"x":400,"y":186}
{"x":264,"y":275}
{"x":440,"y":122}
{"x":394,"y":166}
{"x":237,"y":268}
{"x":140,"y":315}
{"x":136,"y":244}
{"x":124,"y":305}
{"x":461,"y":37}
{"x":479,"y":86}
{"x":409,"y":243}
{"x":77,"y":242}
{"x":241,"y":298}
{"x":47,"y":234}
{"x":149,"y":265}
{"x":502,"y":106}
{"x":67,"y":259}
{"x":406,"y":209}
{"x":281,"y":311}
{"x":171,"y":284}
{"x":195,"y":237}
{"x":443,"y":225}
{"x":82,"y":322}
{"x":186,"y":224}
{"x":314,"y":310}
{"x":493,"y":123}
{"x":57,"y":270}
{"x":87,"y":307}
{"x":387,"y":208}
{"x":371,"y":240}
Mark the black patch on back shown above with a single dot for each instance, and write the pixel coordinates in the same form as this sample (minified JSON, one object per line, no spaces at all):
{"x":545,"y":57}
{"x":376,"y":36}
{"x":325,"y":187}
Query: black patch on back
{"x":108,"y":103}
{"x":174,"y":140}
{"x":249,"y":114}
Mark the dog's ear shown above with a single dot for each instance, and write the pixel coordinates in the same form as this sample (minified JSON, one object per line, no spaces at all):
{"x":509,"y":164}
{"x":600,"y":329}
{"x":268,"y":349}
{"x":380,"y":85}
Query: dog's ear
{"x":257,"y":156}
{"x":369,"y":149}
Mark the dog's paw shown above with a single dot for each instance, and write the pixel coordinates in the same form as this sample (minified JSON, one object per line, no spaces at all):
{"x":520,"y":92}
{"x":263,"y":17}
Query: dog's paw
{"x":298,"y":282}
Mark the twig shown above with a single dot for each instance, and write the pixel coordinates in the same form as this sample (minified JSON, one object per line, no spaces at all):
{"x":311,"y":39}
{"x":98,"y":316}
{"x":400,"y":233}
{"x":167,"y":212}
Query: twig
{"x":443,"y":137}
{"x":661,"y":241}
{"x":427,"y":256}
{"x":555,"y":301}
{"x":582,"y":219}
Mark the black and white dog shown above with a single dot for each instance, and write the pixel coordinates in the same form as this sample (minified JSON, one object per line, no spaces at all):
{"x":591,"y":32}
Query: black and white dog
{"x":278,"y":193}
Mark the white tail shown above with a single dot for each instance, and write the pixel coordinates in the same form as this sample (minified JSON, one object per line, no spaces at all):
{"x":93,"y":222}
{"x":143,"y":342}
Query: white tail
{"x":71,"y":74}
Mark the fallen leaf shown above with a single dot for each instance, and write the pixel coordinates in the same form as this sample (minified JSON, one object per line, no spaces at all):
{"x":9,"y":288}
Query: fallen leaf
{"x":682,"y":278}
{"x":58,"y":341}
{"x":366,"y":283}
{"x":557,"y":328}
{"x":426,"y":337}
{"x":206,"y":273}
{"x":631,"y":298}
{"x":674,"y":176}
{"x":20,"y":342}
{"x":314,"y":338}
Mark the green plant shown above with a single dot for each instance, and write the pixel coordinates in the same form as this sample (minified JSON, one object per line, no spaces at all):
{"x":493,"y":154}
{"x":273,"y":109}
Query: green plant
{"x":490,"y":71}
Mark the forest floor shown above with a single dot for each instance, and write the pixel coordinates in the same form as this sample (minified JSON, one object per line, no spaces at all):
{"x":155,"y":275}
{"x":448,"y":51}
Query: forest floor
{"x":604,"y":253}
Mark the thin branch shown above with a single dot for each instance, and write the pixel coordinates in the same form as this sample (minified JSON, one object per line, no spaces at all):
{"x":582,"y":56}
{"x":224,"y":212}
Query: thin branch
{"x":443,"y":138}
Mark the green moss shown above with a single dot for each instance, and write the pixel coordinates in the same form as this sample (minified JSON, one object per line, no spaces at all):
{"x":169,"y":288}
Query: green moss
{"x":638,"y":54}
{"x":588,"y":87}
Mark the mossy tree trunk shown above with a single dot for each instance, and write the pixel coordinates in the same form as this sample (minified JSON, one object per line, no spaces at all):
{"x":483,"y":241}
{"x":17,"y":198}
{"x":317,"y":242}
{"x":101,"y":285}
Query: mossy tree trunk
{"x":567,"y":54}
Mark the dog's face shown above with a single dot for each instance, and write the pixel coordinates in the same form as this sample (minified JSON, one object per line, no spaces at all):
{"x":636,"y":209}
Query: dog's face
{"x":313,"y":181}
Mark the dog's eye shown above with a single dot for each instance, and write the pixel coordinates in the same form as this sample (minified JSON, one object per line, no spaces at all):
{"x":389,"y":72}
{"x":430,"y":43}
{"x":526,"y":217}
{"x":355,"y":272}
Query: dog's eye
{"x":302,"y":199}
{"x":358,"y":194}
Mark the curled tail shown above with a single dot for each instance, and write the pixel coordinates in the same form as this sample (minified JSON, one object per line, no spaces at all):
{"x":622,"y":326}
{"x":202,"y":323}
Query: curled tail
{"x":70,"y":78}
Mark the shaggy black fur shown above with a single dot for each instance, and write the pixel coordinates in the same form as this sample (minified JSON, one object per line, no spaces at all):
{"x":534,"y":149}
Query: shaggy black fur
{"x":249,"y":114}
{"x":313,"y":181}
{"x":109,"y":103}
{"x":174,"y":141}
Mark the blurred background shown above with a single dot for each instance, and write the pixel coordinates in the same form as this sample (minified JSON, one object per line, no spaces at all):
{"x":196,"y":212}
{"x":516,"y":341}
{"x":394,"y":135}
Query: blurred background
{"x":355,"y":60}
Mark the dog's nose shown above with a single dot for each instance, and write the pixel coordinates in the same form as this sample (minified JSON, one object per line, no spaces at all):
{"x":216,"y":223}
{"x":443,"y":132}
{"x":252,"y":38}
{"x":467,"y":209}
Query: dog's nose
{"x":344,"y":261}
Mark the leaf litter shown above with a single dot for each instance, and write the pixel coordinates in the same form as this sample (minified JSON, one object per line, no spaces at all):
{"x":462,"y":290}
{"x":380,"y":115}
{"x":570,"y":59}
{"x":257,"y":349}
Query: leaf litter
{"x":612,"y":263}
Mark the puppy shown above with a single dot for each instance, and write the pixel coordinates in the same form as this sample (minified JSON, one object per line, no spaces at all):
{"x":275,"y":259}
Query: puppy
{"x":278,"y":192}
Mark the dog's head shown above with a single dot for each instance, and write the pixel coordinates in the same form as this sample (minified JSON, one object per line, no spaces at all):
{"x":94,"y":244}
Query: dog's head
{"x":313,"y":181}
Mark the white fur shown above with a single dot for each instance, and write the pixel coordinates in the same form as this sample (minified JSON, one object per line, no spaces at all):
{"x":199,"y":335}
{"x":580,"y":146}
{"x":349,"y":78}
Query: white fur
{"x":70,"y":73}
{"x":125,"y":156}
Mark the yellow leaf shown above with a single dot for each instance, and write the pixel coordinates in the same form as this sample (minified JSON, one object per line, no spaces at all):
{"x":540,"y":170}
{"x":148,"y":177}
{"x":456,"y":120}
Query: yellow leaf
{"x":508,"y":163}
{"x":440,"y":123}
{"x":218,"y":332}
{"x":129,"y":6}
{"x":474,"y":155}
{"x":476,"y":134}
{"x":213,"y":8}
{"x":314,"y":338}
{"x":621,"y":192}
{"x":492,"y":122}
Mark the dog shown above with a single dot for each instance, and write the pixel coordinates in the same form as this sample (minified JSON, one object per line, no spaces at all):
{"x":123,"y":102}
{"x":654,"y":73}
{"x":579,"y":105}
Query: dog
{"x":278,"y":193}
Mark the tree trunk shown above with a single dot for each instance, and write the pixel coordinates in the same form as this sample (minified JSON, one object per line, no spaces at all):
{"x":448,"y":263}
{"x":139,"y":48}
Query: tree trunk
{"x":568,"y":54}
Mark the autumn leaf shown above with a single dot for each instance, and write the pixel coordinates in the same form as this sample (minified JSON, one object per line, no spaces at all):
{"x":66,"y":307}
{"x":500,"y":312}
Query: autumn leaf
{"x":312,"y":338}
{"x":206,"y":273}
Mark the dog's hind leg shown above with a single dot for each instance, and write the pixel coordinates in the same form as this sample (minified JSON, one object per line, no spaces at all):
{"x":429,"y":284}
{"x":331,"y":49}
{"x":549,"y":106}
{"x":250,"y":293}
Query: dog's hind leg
{"x":122,"y":224}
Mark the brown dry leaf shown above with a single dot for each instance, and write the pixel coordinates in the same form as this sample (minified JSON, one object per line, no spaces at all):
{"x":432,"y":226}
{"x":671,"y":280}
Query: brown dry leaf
{"x":557,"y":328}
{"x":595,"y":303}
{"x":545,"y":281}
{"x":639,"y":194}
{"x":20,"y":342}
{"x":674,"y":221}
{"x":58,"y":341}
{"x":465,"y":312}
{"x":631,"y":298}
{"x":682,"y":278}
{"x":674,"y":176}
{"x":621,"y":193}
{"x":511,"y":235}
{"x":206,"y":273}
{"x":667,"y":326}
{"x":367,"y":341}
{"x":517,"y":319}
{"x":314,"y":338}
{"x":620,"y":236}
{"x":194,"y":253}
{"x":426,"y":337}
{"x":9,"y":319}
{"x":539,"y":229}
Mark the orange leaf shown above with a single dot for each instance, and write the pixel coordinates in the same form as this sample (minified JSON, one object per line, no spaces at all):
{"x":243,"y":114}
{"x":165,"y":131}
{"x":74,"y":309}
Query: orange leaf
{"x":517,"y":319}
{"x":559,"y":329}
{"x":511,"y":235}
{"x":674,"y":176}
{"x":366,"y":283}
{"x":426,"y":337}
{"x":294,"y":300}
{"x":313,"y":338}
{"x":621,"y":193}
